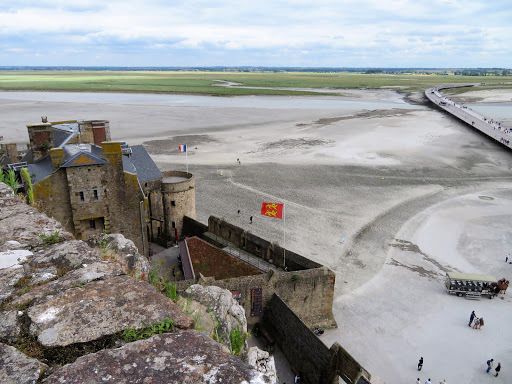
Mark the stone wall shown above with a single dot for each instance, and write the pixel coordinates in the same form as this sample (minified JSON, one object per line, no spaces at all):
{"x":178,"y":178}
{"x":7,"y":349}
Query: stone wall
{"x":258,"y":246}
{"x":304,"y":350}
{"x":193,"y":227}
{"x":309,"y":293}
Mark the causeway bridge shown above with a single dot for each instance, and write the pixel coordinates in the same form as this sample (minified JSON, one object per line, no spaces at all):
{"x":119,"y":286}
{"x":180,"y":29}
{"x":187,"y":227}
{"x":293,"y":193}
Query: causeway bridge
{"x":486,"y":125}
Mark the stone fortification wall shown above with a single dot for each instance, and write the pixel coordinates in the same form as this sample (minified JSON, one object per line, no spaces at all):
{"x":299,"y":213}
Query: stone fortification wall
{"x":306,"y":352}
{"x":193,"y":227}
{"x":66,"y":309}
{"x":309,"y":293}
{"x":258,"y":246}
{"x":306,"y":286}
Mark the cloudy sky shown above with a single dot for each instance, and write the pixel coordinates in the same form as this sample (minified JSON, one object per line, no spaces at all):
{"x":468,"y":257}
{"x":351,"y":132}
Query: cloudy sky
{"x":312,"y":33}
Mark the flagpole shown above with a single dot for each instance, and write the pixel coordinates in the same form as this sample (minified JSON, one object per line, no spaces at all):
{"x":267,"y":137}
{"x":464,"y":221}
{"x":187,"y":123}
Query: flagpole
{"x":186,"y":157}
{"x":284,"y":234}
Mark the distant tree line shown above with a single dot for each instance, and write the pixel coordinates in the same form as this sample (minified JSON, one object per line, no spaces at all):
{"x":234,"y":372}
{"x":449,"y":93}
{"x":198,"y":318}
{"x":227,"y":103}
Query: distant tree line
{"x":483,"y":72}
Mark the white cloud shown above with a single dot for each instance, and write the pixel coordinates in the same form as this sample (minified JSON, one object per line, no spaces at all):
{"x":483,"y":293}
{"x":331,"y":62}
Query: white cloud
{"x":268,"y":32}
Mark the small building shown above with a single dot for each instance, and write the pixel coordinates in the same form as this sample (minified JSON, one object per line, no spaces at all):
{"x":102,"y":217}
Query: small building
{"x":93,"y":185}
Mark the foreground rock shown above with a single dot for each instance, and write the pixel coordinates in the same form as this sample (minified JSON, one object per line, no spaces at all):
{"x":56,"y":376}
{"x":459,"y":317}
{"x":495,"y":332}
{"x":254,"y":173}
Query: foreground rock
{"x":16,"y":368}
{"x":220,"y":303}
{"x":77,"y":278}
{"x":101,"y":308}
{"x":13,"y":223}
{"x":186,"y":357}
{"x":65,"y":256}
{"x":118,"y":248}
{"x":263,"y":362}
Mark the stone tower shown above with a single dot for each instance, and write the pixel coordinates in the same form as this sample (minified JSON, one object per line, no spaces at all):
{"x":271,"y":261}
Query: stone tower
{"x":179,"y":200}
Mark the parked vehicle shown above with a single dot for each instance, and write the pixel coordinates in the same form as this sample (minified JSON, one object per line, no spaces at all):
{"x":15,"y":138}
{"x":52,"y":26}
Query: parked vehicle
{"x":471,"y":285}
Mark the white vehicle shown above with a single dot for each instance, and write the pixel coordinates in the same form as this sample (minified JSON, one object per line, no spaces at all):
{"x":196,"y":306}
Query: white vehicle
{"x":470,"y":285}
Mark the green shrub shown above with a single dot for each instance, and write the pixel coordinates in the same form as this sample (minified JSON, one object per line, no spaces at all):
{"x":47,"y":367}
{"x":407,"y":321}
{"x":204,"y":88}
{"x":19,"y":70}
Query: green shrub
{"x":172,"y":292}
{"x":50,"y":239}
{"x":237,"y":338}
{"x":30,"y":190}
{"x":133,"y":334}
{"x":295,"y":278}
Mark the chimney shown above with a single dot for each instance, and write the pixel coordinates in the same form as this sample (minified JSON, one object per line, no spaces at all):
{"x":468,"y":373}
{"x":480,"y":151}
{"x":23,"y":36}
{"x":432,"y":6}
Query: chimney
{"x":41,"y":139}
{"x":57,"y":155}
{"x":113,"y":153}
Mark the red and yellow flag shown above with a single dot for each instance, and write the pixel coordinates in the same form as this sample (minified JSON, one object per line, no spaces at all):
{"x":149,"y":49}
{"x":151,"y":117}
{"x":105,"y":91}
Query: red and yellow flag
{"x":272,"y":210}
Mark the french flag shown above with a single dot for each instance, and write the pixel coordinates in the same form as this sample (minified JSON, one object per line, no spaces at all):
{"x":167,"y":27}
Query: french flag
{"x":183,"y":148}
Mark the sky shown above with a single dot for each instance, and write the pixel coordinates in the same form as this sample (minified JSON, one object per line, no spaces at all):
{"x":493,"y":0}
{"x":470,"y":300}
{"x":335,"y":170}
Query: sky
{"x":299,"y":33}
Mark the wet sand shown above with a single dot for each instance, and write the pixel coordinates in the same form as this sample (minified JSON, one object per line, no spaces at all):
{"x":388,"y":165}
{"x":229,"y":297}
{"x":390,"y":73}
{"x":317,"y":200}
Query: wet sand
{"x":374,"y":177}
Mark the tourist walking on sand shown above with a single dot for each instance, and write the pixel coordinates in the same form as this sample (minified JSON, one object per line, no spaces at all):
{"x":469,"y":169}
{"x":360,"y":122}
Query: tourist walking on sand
{"x":428,"y":381}
{"x":490,"y":363}
{"x":477,"y":323}
{"x":420,"y":364}
{"x":443,"y":382}
{"x":250,"y":220}
{"x":418,"y":381}
{"x":471,"y":318}
{"x":497,"y":369}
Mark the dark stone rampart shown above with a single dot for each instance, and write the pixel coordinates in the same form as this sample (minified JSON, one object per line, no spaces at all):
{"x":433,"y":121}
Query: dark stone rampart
{"x":306,"y":352}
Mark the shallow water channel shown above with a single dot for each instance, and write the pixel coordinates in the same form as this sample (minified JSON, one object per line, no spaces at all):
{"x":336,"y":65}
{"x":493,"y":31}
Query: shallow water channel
{"x":391,"y":101}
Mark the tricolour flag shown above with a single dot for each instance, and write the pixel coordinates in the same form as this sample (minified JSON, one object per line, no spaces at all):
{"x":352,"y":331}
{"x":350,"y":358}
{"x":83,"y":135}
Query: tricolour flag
{"x":272,"y":210}
{"x":183,"y":148}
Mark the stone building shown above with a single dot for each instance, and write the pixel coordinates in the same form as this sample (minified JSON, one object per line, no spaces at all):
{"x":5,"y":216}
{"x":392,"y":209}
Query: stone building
{"x":93,"y":185}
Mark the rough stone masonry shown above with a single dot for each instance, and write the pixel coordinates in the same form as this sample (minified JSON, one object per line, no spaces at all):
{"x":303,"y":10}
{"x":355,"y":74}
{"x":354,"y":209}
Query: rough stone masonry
{"x":64,"y":306}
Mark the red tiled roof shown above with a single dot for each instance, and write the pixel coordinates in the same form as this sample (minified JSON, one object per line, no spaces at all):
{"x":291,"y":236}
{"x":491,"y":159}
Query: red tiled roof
{"x":211,"y":261}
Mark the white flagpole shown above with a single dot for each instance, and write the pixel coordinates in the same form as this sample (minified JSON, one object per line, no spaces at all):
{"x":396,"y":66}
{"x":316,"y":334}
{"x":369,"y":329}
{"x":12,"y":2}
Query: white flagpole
{"x":284,"y":235}
{"x":186,"y":157}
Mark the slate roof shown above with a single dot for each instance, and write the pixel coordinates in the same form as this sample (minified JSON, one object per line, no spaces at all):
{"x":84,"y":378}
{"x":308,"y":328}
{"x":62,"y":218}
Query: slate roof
{"x":77,"y":155}
{"x":82,"y":158}
{"x":63,"y":132}
{"x":38,"y":171}
{"x":144,"y":164}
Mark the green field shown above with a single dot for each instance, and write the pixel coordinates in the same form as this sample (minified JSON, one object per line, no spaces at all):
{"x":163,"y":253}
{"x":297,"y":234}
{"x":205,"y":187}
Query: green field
{"x":201,"y":82}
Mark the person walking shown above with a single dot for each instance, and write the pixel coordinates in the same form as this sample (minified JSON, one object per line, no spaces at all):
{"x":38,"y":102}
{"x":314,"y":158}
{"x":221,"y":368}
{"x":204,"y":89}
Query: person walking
{"x":420,"y":364}
{"x":481,"y":323}
{"x":490,"y":363}
{"x":428,"y":381}
{"x":471,"y":318}
{"x":418,"y":381}
{"x":497,"y":369}
{"x":477,"y":323}
{"x":506,"y":258}
{"x":250,"y":220}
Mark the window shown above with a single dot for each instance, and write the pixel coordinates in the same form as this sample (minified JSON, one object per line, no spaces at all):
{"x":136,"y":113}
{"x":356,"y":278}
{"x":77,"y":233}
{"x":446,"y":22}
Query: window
{"x":82,"y":197}
{"x":95,"y":192}
{"x":174,"y":224}
{"x":92,"y":224}
{"x":173,"y":203}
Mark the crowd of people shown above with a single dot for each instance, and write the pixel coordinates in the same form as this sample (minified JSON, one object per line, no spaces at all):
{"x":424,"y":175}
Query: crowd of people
{"x":495,"y":124}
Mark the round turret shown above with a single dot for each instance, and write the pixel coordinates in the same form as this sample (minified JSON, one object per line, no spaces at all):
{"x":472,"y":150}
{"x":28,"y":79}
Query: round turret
{"x":179,"y":200}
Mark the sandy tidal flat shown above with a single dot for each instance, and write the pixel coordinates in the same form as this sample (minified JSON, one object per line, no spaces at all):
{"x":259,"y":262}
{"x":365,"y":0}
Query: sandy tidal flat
{"x":400,"y":181}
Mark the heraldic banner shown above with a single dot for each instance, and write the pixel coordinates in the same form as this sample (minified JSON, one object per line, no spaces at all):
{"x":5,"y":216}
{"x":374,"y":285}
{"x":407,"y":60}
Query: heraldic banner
{"x":272,"y":210}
